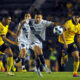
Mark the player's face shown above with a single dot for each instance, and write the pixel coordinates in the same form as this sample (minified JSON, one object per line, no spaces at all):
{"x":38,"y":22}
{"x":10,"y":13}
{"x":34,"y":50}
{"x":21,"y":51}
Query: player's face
{"x":9,"y":20}
{"x":4,"y":21}
{"x":76,"y":19}
{"x":38,"y":18}
{"x":27,"y":16}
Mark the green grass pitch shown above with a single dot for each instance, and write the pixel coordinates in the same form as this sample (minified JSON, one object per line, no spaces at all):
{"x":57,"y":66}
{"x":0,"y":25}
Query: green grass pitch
{"x":34,"y":76}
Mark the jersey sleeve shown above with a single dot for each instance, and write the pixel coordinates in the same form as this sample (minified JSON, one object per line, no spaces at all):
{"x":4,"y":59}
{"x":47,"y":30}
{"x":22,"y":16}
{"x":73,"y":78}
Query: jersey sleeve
{"x":1,"y":30}
{"x":66,"y":25}
{"x":47,"y":23}
{"x":78,"y":30}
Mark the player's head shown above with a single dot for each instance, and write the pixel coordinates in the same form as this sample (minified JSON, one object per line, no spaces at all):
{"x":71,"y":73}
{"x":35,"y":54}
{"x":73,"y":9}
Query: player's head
{"x":9,"y":20}
{"x":76,"y":18}
{"x":38,"y":16}
{"x":27,"y":15}
{"x":4,"y":18}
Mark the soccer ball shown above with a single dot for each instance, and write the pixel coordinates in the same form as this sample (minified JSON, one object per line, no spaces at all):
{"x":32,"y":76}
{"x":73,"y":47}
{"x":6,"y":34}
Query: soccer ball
{"x":58,"y":30}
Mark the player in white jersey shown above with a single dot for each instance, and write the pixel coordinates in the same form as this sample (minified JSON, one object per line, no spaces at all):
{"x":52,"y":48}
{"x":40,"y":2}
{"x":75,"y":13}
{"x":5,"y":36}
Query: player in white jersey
{"x":38,"y":27}
{"x":23,"y":38}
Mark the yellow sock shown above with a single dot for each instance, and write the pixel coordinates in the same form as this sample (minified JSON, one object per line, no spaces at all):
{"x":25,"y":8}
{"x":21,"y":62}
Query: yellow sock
{"x":1,"y":66}
{"x":76,"y":66}
{"x":9,"y":63}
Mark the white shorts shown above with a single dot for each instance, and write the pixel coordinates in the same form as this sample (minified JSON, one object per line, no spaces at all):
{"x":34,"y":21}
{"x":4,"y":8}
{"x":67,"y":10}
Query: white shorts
{"x":36,"y":44}
{"x":23,"y":44}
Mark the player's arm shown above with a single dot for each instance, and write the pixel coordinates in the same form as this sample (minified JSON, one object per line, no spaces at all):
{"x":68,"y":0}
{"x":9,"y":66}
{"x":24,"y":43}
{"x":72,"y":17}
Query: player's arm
{"x":6,"y":39}
{"x":65,"y":27}
{"x":78,"y":39}
{"x":63,"y":37}
{"x":20,"y":26}
{"x":12,"y":33}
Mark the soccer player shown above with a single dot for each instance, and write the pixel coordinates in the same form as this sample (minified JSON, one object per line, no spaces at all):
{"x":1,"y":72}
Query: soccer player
{"x":23,"y":38}
{"x":3,"y":47}
{"x":67,"y":43}
{"x":38,"y":27}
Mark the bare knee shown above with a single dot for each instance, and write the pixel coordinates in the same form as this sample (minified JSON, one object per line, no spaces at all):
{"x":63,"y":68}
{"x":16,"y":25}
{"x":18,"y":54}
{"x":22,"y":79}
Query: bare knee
{"x":9,"y":52}
{"x":76,"y":56}
{"x":22,"y":53}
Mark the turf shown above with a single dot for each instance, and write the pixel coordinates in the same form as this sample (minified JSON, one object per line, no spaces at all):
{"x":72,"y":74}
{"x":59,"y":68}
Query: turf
{"x":34,"y":76}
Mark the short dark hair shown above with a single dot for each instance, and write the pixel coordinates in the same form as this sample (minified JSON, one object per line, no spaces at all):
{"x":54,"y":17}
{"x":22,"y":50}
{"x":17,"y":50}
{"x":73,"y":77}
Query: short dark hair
{"x":27,"y":12}
{"x":38,"y":12}
{"x":5,"y":15}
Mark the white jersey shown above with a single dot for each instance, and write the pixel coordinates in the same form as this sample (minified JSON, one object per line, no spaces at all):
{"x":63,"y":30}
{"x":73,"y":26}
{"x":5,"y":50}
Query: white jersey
{"x":24,"y":36}
{"x":38,"y":29}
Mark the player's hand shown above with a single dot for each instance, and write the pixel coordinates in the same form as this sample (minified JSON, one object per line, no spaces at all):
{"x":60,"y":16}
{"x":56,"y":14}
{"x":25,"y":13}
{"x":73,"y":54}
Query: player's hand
{"x":65,"y":45}
{"x":23,"y":21}
{"x":16,"y":43}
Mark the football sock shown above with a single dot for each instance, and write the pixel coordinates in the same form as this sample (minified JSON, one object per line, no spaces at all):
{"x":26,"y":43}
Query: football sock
{"x":23,"y":63}
{"x":37,"y":63}
{"x":1,"y":65}
{"x":76,"y":66}
{"x":9,"y":63}
{"x":17,"y":60}
{"x":42,"y":59}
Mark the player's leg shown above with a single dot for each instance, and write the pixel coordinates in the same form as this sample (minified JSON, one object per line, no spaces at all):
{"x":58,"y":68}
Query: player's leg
{"x":22,"y":56}
{"x":5,"y":49}
{"x":9,"y":60}
{"x":27,"y":59}
{"x":38,"y":51}
{"x":60,"y":49}
{"x":76,"y":63}
{"x":75,"y":53}
{"x":37,"y":59}
{"x":64,"y":58}
{"x":2,"y":69}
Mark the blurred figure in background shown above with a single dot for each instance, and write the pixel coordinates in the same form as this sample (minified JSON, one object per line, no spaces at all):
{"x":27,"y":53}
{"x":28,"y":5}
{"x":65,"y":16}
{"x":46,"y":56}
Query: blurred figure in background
{"x":53,"y":59}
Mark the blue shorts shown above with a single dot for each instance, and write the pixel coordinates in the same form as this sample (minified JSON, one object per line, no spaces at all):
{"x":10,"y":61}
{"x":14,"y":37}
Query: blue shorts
{"x":71,"y":48}
{"x":3,"y":47}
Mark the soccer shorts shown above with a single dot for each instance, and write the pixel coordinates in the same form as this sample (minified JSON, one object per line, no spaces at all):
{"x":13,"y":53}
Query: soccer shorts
{"x":71,"y":48}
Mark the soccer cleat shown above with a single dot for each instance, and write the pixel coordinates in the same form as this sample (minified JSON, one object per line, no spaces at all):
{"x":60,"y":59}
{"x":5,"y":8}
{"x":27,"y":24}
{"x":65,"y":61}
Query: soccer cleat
{"x":13,"y":68}
{"x":47,"y":70}
{"x":24,"y":70}
{"x":3,"y":70}
{"x":75,"y":75}
{"x":39,"y":73}
{"x":10,"y":73}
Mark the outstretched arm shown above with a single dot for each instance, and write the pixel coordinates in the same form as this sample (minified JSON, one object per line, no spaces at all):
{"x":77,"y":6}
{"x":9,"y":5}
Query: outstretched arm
{"x":20,"y":26}
{"x":6,"y":39}
{"x":63,"y":37}
{"x":12,"y":33}
{"x":78,"y":40}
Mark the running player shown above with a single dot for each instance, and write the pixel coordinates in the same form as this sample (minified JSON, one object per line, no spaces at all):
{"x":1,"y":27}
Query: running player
{"x":23,"y":38}
{"x":67,"y":43}
{"x":3,"y":47}
{"x":38,"y":27}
